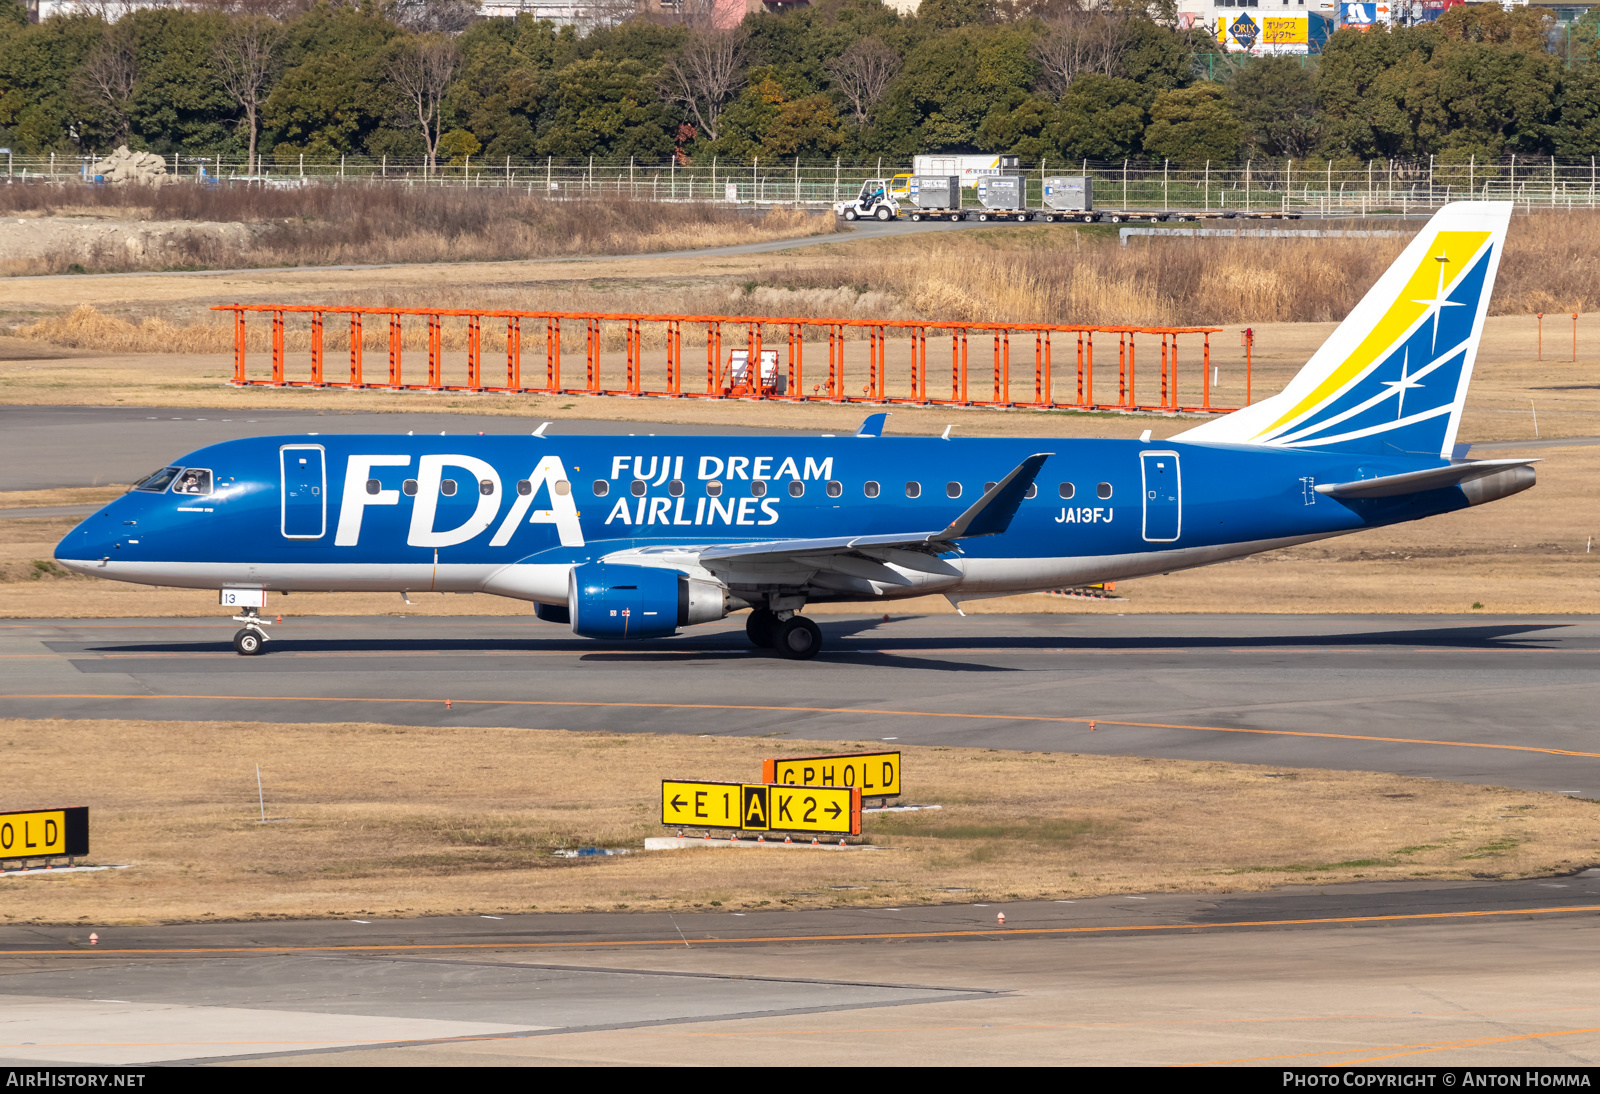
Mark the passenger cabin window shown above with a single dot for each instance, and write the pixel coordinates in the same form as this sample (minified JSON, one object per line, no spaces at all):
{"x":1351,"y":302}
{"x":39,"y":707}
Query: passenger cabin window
{"x":758,"y":488}
{"x":714,"y":489}
{"x":601,"y":488}
{"x":524,"y":487}
{"x":563,"y":487}
{"x":988,"y":486}
{"x":796,"y":488}
{"x":675,"y":488}
{"x":194,"y":480}
{"x":870,"y":489}
{"x":374,"y":486}
{"x":913,"y":490}
{"x":1067,"y":490}
{"x":1032,"y":491}
{"x":486,"y":487}
{"x":638,"y":488}
{"x":952,"y":489}
{"x":448,"y":488}
{"x":1104,"y":490}
{"x":409,"y":488}
{"x":155,"y":484}
{"x":835,"y":488}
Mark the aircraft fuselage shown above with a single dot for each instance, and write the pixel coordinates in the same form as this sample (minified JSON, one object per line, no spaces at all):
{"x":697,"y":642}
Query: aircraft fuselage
{"x":511,"y":515}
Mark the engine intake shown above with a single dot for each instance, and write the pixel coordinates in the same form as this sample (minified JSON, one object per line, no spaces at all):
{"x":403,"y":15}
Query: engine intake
{"x":607,"y":600}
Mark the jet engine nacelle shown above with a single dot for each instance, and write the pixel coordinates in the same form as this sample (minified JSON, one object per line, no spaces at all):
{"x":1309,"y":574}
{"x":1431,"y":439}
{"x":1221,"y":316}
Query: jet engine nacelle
{"x":606,"y":600}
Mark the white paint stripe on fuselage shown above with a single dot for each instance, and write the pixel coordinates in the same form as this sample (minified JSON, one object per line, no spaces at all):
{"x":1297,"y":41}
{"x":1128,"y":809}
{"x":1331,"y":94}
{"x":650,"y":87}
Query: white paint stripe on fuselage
{"x":547,"y":582}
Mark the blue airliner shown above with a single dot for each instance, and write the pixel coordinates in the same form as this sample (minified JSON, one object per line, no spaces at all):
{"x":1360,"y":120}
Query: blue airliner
{"x":635,"y":537}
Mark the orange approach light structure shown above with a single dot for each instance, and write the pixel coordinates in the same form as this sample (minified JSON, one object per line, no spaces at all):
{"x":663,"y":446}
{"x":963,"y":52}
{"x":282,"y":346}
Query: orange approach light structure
{"x":879,"y":362}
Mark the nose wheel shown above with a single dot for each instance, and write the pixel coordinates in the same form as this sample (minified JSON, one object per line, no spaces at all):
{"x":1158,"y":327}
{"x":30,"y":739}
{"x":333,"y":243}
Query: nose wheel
{"x":250,"y":639}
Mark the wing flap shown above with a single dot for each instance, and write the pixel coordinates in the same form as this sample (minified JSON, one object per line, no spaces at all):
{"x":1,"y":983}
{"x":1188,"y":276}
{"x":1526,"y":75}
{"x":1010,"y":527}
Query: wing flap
{"x":990,"y":515}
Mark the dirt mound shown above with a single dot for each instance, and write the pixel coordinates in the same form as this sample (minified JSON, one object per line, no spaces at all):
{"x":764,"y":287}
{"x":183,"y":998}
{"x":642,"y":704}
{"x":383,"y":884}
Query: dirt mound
{"x":123,"y":167}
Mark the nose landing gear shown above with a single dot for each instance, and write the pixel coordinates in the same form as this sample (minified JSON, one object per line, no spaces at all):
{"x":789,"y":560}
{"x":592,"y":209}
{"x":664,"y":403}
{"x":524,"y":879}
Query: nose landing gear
{"x":252,"y":637}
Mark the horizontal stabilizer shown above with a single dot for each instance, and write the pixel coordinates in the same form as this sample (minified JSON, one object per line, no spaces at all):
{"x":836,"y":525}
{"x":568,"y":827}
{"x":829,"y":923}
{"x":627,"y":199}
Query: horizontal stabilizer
{"x":1414,"y":482}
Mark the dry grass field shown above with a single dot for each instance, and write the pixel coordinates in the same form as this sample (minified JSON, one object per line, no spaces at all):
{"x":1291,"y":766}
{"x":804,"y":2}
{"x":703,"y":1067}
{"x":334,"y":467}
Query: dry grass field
{"x":401,"y":821}
{"x":337,"y":225}
{"x":1033,"y":273}
{"x":1068,"y":274}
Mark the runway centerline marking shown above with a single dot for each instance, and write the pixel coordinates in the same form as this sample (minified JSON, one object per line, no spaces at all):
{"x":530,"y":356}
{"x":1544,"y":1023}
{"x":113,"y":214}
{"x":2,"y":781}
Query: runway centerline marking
{"x":1053,"y":719}
{"x":1412,"y":917}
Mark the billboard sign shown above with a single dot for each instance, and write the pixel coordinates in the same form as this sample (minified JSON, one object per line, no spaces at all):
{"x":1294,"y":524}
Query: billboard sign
{"x":1277,"y":30}
{"x":1244,"y":31}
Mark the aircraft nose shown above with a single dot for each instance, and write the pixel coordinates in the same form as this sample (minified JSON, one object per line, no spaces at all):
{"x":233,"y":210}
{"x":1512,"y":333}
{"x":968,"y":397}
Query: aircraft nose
{"x":88,"y":545}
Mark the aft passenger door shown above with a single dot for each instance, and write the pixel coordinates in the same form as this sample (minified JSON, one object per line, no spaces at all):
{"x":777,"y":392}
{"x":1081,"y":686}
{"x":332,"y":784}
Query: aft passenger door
{"x":1163,"y":496}
{"x":304,"y":485}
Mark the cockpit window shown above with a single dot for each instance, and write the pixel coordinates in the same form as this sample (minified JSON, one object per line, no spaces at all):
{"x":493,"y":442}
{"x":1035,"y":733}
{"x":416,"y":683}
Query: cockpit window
{"x":157,"y":483}
{"x":193,"y":480}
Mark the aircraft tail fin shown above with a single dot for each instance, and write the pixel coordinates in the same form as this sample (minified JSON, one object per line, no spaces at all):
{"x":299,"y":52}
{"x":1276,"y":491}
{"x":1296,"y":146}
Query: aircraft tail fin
{"x":1393,"y":377}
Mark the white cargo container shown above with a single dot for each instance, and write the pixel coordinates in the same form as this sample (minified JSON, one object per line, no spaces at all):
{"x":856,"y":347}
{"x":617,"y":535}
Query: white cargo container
{"x":935,"y":197}
{"x":1003,"y":196}
{"x":1068,"y":197}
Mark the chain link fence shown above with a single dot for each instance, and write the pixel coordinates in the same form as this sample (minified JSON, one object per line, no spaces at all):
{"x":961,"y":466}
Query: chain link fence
{"x":1307,"y":187}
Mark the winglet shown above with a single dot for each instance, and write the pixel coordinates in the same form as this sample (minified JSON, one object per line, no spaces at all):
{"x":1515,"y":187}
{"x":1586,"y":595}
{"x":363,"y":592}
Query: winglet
{"x":542,"y":427}
{"x":873,"y":426}
{"x":991,"y":514}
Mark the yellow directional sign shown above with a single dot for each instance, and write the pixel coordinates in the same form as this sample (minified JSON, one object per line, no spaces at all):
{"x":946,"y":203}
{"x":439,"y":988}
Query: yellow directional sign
{"x":42,"y":832}
{"x":875,"y":774}
{"x":761,"y":808}
{"x":704,"y":805}
{"x":816,"y":809}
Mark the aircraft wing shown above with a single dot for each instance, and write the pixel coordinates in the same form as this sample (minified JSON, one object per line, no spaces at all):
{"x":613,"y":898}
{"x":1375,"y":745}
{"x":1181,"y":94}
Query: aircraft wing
{"x":1414,"y":482}
{"x":863,"y":556}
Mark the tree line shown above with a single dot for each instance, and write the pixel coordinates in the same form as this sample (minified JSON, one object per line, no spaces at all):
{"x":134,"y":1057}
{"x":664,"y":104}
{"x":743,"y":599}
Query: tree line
{"x":413,"y":81}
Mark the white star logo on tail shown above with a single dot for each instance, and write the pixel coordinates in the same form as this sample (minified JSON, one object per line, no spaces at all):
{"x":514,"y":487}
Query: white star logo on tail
{"x":1437,"y":303}
{"x":1404,"y":384}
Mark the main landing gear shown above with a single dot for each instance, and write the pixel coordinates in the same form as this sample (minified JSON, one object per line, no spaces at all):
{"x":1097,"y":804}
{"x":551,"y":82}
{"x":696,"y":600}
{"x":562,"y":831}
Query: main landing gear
{"x":792,"y":636}
{"x":252,"y":637}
